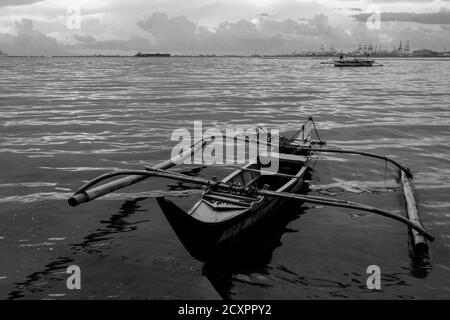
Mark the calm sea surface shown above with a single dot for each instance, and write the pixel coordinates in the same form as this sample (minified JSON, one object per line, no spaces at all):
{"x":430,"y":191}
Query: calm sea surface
{"x":65,"y":120}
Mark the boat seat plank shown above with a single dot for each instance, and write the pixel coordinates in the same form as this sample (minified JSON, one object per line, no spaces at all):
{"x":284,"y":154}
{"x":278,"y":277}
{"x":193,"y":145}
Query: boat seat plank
{"x":231,"y":195}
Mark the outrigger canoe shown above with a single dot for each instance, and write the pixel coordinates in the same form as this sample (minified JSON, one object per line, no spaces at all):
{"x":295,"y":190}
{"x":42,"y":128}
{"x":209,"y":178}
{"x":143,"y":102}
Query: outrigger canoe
{"x":224,"y":214}
{"x":242,"y":201}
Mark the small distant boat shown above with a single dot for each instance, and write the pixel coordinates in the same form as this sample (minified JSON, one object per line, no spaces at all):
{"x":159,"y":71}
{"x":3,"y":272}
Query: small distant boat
{"x":140,"y":54}
{"x":354,"y":63}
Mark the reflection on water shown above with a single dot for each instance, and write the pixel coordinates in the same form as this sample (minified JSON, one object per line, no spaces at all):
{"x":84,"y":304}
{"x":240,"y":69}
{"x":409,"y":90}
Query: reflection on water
{"x":248,"y":265}
{"x":55,"y":272}
{"x":37,"y":282}
{"x":67,"y":120}
{"x":115,"y":224}
{"x":249,"y":261}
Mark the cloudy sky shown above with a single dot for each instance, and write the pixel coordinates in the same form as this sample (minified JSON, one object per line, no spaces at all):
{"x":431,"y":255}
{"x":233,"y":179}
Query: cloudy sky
{"x":53,"y":27}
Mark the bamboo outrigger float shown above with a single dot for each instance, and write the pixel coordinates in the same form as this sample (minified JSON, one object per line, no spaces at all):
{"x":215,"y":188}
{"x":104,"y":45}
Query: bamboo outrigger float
{"x":240,"y":202}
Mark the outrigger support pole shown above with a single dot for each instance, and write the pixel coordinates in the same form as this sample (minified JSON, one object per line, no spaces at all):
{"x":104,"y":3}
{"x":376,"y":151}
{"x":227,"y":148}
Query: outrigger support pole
{"x":87,"y":193}
{"x":367,"y":154}
{"x":311,"y":199}
{"x":419,"y":242}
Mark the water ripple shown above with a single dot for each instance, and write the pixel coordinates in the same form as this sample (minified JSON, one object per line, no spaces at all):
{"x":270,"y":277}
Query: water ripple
{"x":64,"y":121}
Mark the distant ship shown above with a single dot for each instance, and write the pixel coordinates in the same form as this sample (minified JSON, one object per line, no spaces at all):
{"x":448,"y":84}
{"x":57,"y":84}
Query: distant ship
{"x":140,"y":54}
{"x":2,"y":54}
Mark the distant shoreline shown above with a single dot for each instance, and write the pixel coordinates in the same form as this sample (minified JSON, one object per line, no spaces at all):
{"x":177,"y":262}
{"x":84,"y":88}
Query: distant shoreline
{"x":226,"y":56}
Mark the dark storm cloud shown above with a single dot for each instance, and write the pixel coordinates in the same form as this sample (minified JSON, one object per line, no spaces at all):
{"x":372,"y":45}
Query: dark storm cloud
{"x":441,"y":17}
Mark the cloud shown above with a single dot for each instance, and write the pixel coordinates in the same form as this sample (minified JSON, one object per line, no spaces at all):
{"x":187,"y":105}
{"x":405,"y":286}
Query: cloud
{"x":134,"y":44}
{"x":263,"y":34}
{"x":170,"y":30}
{"x":423,"y":37}
{"x":440,"y":17}
{"x":29,"y":41}
{"x":406,"y":1}
{"x":267,"y":34}
{"x":84,"y":38}
{"x":6,"y":3}
{"x":394,"y":1}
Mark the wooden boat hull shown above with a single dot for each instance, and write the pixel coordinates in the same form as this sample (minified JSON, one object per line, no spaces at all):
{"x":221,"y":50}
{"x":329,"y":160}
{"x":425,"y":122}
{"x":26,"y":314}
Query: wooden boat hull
{"x":223,"y":217}
{"x":201,"y":238}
